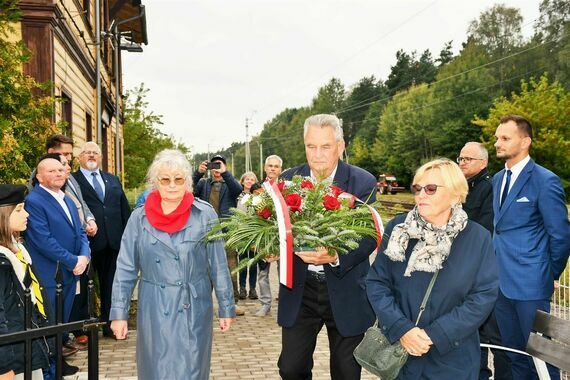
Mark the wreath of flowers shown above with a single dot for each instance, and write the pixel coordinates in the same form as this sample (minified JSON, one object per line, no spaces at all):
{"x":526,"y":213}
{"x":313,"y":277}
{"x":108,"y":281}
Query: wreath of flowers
{"x":321,"y":214}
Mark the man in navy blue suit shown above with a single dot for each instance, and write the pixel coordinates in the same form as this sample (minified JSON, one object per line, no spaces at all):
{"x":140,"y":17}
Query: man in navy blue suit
{"x":327,"y":290}
{"x":532,"y":238}
{"x":106,"y":199}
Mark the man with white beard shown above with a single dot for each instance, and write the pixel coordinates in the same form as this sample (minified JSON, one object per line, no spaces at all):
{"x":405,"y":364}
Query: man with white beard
{"x":106,"y":199}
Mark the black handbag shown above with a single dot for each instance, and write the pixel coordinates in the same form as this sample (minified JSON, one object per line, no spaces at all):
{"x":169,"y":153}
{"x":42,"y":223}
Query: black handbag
{"x":375,"y":353}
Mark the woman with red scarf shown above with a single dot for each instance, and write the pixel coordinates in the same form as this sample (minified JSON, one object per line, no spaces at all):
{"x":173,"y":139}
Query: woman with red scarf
{"x":164,"y":241}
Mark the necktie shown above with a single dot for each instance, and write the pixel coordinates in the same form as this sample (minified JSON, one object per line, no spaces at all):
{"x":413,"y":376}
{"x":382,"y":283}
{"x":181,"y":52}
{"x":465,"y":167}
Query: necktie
{"x":506,"y":189}
{"x":35,"y":284}
{"x":97,"y":187}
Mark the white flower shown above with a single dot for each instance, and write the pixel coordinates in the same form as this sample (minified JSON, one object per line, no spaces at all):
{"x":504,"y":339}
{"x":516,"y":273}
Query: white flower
{"x":255,"y":200}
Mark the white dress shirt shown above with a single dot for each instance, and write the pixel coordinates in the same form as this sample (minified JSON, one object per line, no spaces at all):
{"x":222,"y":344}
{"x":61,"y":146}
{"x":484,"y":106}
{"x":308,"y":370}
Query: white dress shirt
{"x":59,"y":198}
{"x":516,"y":170}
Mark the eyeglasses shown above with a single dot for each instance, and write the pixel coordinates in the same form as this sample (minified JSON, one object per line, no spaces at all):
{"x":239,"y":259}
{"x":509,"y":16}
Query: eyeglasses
{"x":91,"y":152}
{"x":467,"y":159}
{"x":177,"y":181}
{"x":429,"y":189}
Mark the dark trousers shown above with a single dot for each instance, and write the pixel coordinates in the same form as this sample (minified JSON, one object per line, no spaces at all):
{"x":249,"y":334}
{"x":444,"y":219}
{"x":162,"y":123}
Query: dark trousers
{"x":489,"y":333}
{"x":299,"y":341}
{"x":515,"y":319}
{"x":252,"y":270}
{"x":105,"y":264}
{"x":80,"y":309}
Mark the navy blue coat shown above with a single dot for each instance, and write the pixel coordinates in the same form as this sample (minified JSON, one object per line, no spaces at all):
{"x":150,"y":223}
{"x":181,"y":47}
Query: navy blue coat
{"x":111,"y":215}
{"x":229,"y":192}
{"x":462,"y":298}
{"x":347,"y":290}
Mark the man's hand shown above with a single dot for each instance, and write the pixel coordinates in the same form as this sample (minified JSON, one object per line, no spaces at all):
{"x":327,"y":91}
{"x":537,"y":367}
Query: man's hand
{"x":416,"y":342}
{"x":225,"y":323}
{"x":81,"y":265}
{"x":8,"y":375}
{"x":203,"y":167}
{"x":120,"y":329}
{"x":91,"y":228}
{"x":271,"y":258}
{"x":317,"y":257}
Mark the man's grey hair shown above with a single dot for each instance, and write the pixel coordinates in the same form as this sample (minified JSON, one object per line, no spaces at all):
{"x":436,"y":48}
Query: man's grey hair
{"x":274,"y":157}
{"x":170,"y":159}
{"x":86,"y":146}
{"x":482,"y":150}
{"x":324,"y":120}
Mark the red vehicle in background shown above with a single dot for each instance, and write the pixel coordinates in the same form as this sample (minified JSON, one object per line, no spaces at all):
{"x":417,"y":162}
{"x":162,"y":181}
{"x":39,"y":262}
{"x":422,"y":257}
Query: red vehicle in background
{"x":387,"y":183}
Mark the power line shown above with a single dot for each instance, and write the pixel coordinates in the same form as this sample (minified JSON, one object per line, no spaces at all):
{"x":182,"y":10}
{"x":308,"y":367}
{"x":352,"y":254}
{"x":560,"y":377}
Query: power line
{"x":349,"y":58}
{"x":353,"y":107}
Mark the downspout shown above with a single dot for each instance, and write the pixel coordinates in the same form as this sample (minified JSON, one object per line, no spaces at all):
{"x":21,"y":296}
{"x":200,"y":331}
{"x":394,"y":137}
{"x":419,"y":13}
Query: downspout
{"x":117,"y":36}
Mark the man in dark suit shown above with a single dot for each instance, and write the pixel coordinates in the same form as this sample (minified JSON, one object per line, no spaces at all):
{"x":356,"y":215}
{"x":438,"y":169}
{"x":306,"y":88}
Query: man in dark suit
{"x":55,"y":235}
{"x":106,"y":199}
{"x":473,"y":160}
{"x":326,"y":289}
{"x":532,"y":238}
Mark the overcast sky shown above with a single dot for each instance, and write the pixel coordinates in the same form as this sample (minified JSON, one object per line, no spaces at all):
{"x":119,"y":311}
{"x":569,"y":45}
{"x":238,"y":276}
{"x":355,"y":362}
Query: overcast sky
{"x":212,"y":63}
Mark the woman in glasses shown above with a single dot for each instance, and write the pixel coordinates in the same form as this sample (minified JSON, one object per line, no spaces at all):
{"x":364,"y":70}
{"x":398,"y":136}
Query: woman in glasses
{"x":435,"y":237}
{"x":164,"y":240}
{"x":14,"y":263}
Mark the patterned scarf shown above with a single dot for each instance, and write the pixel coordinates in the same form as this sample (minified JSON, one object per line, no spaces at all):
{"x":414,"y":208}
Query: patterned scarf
{"x":434,"y":243}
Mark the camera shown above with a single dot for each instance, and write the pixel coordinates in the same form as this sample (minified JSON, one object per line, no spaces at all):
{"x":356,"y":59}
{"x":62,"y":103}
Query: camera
{"x":213,"y":165}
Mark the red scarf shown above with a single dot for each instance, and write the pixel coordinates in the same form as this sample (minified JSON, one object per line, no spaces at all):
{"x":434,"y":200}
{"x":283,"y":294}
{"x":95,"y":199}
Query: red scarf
{"x":172,"y":222}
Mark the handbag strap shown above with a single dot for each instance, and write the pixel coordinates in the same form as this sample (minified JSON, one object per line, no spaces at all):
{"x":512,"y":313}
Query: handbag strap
{"x":426,"y":296}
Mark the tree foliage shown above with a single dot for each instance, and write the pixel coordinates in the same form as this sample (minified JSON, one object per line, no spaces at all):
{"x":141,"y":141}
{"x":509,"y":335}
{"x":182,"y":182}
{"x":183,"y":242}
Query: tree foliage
{"x":25,"y":109}
{"x":546,"y":105}
{"x":143,"y":138}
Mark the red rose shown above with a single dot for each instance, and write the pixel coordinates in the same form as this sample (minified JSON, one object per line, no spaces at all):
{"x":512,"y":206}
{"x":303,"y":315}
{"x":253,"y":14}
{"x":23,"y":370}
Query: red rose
{"x":306,"y":184}
{"x":336,"y":191}
{"x":331,"y":203}
{"x":293,"y":201}
{"x":281,"y":185}
{"x":264,"y":213}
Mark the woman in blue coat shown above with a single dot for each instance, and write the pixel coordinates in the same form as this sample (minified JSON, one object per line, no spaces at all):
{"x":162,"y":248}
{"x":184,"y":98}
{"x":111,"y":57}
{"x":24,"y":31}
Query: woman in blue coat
{"x":435,"y":235}
{"x":164,"y":240}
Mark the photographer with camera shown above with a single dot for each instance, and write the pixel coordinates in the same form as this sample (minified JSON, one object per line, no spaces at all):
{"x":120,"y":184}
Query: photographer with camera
{"x":221,"y":190}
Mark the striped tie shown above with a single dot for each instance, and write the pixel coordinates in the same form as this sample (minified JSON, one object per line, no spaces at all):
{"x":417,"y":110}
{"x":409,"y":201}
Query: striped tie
{"x":35,"y":284}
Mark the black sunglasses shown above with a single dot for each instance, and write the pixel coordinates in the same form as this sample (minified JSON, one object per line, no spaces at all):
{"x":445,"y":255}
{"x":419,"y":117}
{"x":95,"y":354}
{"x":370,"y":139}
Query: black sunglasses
{"x":429,"y":189}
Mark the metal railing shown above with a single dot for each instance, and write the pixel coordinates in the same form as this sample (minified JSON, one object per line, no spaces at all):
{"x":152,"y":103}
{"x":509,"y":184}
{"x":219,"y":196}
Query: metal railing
{"x":90,"y":325}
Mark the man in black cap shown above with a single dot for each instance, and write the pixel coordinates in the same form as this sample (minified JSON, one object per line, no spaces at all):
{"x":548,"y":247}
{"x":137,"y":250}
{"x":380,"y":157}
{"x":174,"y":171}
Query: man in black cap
{"x":221,"y":190}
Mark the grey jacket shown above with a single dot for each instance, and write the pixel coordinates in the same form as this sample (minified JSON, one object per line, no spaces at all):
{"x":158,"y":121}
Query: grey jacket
{"x":175,"y":308}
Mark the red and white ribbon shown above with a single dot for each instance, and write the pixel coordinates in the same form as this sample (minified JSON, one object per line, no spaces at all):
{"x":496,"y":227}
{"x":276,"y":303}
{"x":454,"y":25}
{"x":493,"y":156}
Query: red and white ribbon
{"x":285,"y":234}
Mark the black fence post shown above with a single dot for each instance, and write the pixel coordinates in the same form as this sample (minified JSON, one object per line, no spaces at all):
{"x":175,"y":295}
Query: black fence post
{"x":28,"y":323}
{"x":58,"y":320}
{"x":93,"y":342}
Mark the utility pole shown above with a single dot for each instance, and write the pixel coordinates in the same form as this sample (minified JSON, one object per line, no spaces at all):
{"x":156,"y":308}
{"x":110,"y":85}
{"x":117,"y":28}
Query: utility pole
{"x":247,"y":153}
{"x":260,"y":160}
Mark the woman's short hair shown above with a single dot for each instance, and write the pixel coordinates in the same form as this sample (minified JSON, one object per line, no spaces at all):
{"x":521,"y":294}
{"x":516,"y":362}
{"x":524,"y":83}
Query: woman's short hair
{"x":247,"y":174}
{"x":453,"y":177}
{"x":324,"y":120}
{"x":171,"y":159}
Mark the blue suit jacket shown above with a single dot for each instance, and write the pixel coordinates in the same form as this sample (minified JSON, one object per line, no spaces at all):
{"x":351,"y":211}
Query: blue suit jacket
{"x":50,"y":237}
{"x":532,"y":233}
{"x":346,"y":283}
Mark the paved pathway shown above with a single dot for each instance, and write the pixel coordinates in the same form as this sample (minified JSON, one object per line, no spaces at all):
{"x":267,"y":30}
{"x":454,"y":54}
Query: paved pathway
{"x":248,"y":351}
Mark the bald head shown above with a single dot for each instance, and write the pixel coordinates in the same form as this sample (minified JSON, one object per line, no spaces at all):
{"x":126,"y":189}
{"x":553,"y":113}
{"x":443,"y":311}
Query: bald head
{"x":51,"y":174}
